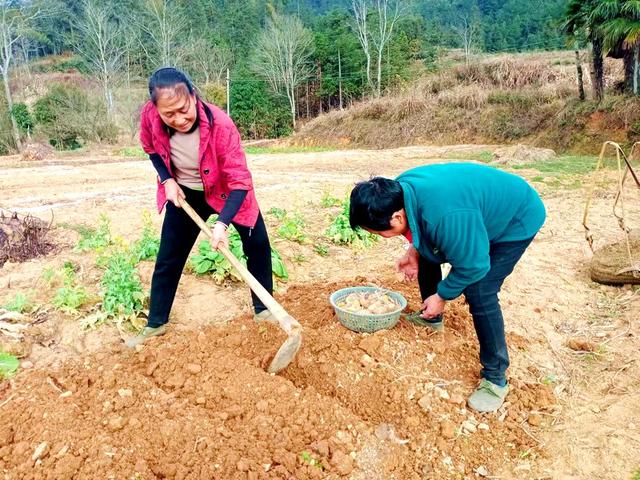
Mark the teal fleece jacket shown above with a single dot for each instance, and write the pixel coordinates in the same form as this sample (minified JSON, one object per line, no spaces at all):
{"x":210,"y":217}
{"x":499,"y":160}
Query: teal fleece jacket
{"x":456,"y":211}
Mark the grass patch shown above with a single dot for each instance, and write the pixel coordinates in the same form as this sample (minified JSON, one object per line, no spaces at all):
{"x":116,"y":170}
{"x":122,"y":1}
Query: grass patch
{"x":19,"y":303}
{"x":566,"y":171}
{"x":263,"y":150}
{"x":636,"y":475}
{"x":484,"y":156}
{"x":566,"y":165}
{"x":131,"y":152}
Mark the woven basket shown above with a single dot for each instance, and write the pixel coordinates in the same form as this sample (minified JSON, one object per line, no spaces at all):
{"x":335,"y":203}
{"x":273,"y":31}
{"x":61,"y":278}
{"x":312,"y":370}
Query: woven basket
{"x":367,"y":323}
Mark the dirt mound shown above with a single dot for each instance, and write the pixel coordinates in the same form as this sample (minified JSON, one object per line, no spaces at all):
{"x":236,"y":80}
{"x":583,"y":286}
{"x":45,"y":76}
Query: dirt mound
{"x":521,"y":155}
{"x":610,"y":264}
{"x":36,"y":152}
{"x":22,"y":238}
{"x":388,"y":405}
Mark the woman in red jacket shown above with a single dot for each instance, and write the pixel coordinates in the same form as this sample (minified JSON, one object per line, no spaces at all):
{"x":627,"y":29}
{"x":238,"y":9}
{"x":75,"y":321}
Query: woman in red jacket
{"x":195,"y":148}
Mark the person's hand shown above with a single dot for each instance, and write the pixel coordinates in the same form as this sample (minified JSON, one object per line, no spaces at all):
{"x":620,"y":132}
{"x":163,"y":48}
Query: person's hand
{"x":220,"y":236}
{"x":408,"y":264}
{"x":173,"y":191}
{"x":433,"y":306}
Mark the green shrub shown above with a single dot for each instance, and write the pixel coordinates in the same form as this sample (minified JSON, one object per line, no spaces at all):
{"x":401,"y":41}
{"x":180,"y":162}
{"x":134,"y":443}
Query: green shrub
{"x":257,"y":113}
{"x":513,"y":99}
{"x":107,"y":132}
{"x":215,"y":93}
{"x":23,"y":117}
{"x":69,"y":118}
{"x":74,"y":63}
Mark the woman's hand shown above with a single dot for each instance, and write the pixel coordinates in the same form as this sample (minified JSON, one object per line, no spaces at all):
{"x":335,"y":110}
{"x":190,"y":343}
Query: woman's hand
{"x":408,"y":264}
{"x":220,"y":236}
{"x":173,"y":191}
{"x":433,"y":306}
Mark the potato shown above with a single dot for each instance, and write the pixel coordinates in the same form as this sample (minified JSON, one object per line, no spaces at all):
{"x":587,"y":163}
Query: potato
{"x":363,"y":303}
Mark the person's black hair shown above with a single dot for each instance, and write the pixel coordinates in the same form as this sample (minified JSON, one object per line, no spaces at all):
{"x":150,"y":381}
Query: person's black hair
{"x":168,"y":77}
{"x":171,"y":77}
{"x":374,"y":202}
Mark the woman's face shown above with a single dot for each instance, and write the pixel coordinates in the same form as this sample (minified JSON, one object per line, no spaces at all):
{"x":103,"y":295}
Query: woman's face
{"x":177,"y":108}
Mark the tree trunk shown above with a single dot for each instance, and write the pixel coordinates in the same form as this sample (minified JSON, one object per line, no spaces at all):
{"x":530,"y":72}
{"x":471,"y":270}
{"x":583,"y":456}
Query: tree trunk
{"x":580,"y":79}
{"x":14,"y":125}
{"x":636,"y":73}
{"x":292,"y":103}
{"x":628,"y":58}
{"x":339,"y":80}
{"x":379,"y":73}
{"x":597,"y":69}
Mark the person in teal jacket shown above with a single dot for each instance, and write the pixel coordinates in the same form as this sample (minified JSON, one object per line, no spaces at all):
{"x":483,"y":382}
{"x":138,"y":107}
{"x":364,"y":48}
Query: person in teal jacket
{"x":478,"y":219}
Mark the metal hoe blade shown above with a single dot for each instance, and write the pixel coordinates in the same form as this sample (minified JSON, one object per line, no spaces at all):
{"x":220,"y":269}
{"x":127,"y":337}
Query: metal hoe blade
{"x":285,"y":353}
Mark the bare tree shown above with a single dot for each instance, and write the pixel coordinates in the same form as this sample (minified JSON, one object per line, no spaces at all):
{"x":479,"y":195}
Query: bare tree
{"x":388,"y":13}
{"x":467,"y":30}
{"x":375,"y":40}
{"x":103,"y":46}
{"x":14,"y":20}
{"x":164,"y":25}
{"x":282,"y":56}
{"x":361,"y":12}
{"x":209,"y":60}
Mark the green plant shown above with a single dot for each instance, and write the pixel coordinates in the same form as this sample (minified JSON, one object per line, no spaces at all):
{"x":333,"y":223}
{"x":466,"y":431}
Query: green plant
{"x":321,"y":249}
{"x":49,"y":275}
{"x":121,"y":289}
{"x":208,"y":261}
{"x":308,"y":458}
{"x":23,"y":118}
{"x":215,"y":93}
{"x":68,"y":117}
{"x":131,"y":152}
{"x":328,"y":200}
{"x":299,"y":258}
{"x":277,"y":265}
{"x":70,"y":296}
{"x":213,"y":262}
{"x":341,"y":233}
{"x":8,"y":365}
{"x":95,"y":239}
{"x":292,"y":228}
{"x":149,"y":244}
{"x":279,"y":213}
{"x":19,"y":303}
{"x":636,"y":475}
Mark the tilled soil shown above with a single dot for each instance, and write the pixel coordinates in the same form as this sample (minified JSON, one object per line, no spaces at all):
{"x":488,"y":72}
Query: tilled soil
{"x":389,"y":405}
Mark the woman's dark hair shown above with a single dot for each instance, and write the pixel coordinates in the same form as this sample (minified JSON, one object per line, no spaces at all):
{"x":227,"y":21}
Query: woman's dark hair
{"x":168,"y":77}
{"x":374,"y":202}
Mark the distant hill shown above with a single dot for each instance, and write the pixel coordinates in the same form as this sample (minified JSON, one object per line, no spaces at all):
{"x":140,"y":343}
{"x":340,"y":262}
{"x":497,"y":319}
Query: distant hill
{"x":525,"y":98}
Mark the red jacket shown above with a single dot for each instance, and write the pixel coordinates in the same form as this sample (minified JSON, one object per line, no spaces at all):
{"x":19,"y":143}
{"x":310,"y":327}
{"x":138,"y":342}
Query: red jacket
{"x":223,"y":165}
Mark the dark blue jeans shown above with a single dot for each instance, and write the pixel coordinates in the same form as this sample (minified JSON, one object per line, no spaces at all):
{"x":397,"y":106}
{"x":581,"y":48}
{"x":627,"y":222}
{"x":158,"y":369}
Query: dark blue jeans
{"x":484,"y":305}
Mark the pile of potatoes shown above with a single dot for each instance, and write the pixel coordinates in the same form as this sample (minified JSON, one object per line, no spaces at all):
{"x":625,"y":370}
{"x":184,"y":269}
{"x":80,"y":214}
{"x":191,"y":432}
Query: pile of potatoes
{"x":366,"y":303}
